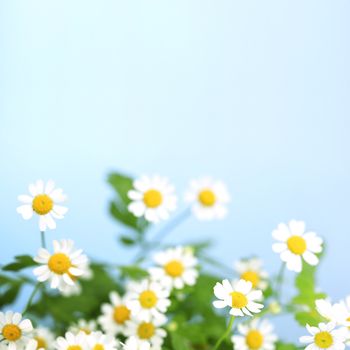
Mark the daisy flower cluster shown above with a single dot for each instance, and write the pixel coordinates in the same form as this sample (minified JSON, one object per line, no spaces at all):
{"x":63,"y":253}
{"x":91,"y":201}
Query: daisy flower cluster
{"x":171,"y":303}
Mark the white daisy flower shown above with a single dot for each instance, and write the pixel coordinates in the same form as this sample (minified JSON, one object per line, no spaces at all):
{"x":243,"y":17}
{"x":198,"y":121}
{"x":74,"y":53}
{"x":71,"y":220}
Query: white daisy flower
{"x":239,"y":297}
{"x":257,"y":335}
{"x":342,"y":311}
{"x":177,"y":268}
{"x":115,"y":315}
{"x":72,"y":342}
{"x":209,"y":198}
{"x":14,"y":332}
{"x":325,"y":336}
{"x":43,"y":201}
{"x":326,"y":309}
{"x":142,"y":334}
{"x":148,"y":300}
{"x":61,"y":267}
{"x":251,"y":270}
{"x":295,"y":244}
{"x":100,"y":341}
{"x":68,"y":290}
{"x":153,"y":198}
{"x":83,"y":326}
{"x":44,"y":338}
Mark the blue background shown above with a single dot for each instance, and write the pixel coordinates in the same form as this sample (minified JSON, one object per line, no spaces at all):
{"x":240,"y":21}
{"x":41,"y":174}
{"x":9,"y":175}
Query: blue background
{"x":253,"y":92}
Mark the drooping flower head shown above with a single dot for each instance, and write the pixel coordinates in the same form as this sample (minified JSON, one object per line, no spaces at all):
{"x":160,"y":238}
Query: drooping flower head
{"x":14,"y":332}
{"x":152,"y":198}
{"x":177,"y":268}
{"x":238,"y":296}
{"x":61,"y":267}
{"x":295,"y":244}
{"x":209,"y":198}
{"x":256,"y":335}
{"x":43,"y":200}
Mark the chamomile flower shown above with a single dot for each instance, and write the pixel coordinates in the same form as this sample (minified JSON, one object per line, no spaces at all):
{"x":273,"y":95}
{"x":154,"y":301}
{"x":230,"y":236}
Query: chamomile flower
{"x":100,"y":341}
{"x":295,"y":244}
{"x":152,"y":198}
{"x":61,"y":267}
{"x":326,"y":309}
{"x":342,"y":310}
{"x":257,"y":335}
{"x":68,"y":290}
{"x":114,"y":315}
{"x":72,"y":341}
{"x":251,"y":270}
{"x":14,"y":332}
{"x":325,"y":336}
{"x":148,"y":300}
{"x":44,"y":338}
{"x":140,"y":333}
{"x":177,"y":268}
{"x":239,"y":297}
{"x":43,"y":201}
{"x":83,"y":326}
{"x":135,"y":344}
{"x":209,"y":198}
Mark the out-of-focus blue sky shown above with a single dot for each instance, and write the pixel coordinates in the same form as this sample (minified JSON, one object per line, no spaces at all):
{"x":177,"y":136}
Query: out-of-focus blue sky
{"x":253,"y":92}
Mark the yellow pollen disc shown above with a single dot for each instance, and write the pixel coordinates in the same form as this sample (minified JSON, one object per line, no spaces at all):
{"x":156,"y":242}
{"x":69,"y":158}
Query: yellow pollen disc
{"x":121,"y":314}
{"x":252,"y":277}
{"x":296,"y":245}
{"x":86,"y":330}
{"x":42,"y":204}
{"x":59,"y":263}
{"x":11,"y":332}
{"x":74,"y":347}
{"x":98,"y":347}
{"x":323,"y":340}
{"x":174,"y":268}
{"x":348,"y":319}
{"x":41,"y":343}
{"x":152,"y":198}
{"x":146,"y":330}
{"x":239,"y":300}
{"x":254,"y":339}
{"x":148,"y":299}
{"x":207,"y":198}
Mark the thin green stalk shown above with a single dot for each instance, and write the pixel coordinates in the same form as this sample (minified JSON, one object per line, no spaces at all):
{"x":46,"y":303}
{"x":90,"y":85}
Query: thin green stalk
{"x":30,"y":300}
{"x":226,"y":334}
{"x":279,"y":282}
{"x":43,"y":243}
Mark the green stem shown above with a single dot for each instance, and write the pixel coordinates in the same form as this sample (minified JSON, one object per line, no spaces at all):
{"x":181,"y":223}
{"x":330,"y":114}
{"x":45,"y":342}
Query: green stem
{"x":225,"y":335}
{"x":29,"y":303}
{"x":42,"y":235}
{"x":279,"y":281}
{"x":161,"y":234}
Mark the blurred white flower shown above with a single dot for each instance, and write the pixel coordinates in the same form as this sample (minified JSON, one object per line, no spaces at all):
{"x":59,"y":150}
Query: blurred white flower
{"x":176,"y":268}
{"x":239,"y":297}
{"x":295,"y":244}
{"x":44,"y":338}
{"x":209,"y":198}
{"x":61,"y":267}
{"x":83,"y":326}
{"x":43,"y":201}
{"x":153,"y":198}
{"x":72,"y":342}
{"x":100,"y":341}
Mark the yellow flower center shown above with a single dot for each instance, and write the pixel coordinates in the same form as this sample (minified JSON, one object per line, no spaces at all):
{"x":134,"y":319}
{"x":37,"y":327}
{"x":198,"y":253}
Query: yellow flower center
{"x":348,"y":320}
{"x":11,"y":332}
{"x":41,"y":343}
{"x":59,"y":263}
{"x":296,"y":245}
{"x":85,"y":330}
{"x":74,"y":347}
{"x":252,"y":277}
{"x":146,"y":330}
{"x":121,"y":314}
{"x":42,"y":204}
{"x":148,"y":299}
{"x":152,"y":198}
{"x":254,"y":339}
{"x":174,"y":268}
{"x":207,"y":197}
{"x":323,"y":340}
{"x":239,"y":300}
{"x":98,"y":347}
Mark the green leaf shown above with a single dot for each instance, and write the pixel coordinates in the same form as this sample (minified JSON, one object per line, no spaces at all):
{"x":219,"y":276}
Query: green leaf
{"x":286,"y":346}
{"x":179,"y":342}
{"x":133,"y":272}
{"x":9,"y":290}
{"x":127,"y":240}
{"x":21,"y":262}
{"x":121,"y":184}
